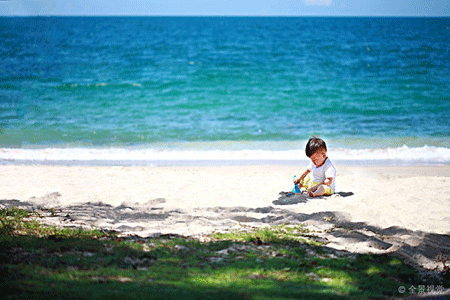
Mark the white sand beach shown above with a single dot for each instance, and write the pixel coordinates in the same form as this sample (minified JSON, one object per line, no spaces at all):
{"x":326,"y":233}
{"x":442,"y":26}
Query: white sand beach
{"x":403,"y":210}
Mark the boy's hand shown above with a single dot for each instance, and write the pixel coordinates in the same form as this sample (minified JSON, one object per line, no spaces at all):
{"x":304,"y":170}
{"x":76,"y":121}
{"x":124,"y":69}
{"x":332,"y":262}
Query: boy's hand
{"x":298,"y":182}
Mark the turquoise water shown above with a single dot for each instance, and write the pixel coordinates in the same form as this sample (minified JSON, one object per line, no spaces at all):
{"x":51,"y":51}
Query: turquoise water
{"x":165,"y":84}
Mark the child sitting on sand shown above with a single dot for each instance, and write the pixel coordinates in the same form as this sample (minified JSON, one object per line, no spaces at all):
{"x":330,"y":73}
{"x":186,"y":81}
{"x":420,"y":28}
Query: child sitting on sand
{"x":319,"y":178}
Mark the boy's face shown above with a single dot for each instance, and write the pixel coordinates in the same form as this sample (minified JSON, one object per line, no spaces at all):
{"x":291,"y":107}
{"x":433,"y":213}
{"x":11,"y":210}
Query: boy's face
{"x":319,"y":157}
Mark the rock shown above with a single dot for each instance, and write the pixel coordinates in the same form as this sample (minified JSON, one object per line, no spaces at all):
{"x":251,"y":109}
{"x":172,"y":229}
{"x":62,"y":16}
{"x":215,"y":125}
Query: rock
{"x":313,"y":276}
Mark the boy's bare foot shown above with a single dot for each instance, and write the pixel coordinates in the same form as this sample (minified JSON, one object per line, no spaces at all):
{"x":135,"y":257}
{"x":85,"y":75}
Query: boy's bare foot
{"x":320,"y":191}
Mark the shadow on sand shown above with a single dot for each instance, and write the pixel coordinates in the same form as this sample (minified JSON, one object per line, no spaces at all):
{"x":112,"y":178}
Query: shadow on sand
{"x":291,"y":198}
{"x":428,"y":252}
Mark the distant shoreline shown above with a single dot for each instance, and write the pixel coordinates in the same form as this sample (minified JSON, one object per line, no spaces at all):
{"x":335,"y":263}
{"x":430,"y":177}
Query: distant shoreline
{"x":211,"y":163}
{"x":217,"y":154}
{"x":225,"y":16}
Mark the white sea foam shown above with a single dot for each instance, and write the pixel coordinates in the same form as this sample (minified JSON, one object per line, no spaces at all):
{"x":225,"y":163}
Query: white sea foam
{"x":401,"y":155}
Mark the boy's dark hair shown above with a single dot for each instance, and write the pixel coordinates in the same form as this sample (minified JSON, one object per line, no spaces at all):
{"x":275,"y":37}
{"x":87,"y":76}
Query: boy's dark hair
{"x":315,"y":144}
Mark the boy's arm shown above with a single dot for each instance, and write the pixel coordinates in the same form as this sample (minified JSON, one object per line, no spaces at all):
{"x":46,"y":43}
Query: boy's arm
{"x":327,"y":182}
{"x":302,"y":177}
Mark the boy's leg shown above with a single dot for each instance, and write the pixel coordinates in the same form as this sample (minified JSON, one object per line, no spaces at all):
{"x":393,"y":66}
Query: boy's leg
{"x":305,"y":183}
{"x":321,"y":190}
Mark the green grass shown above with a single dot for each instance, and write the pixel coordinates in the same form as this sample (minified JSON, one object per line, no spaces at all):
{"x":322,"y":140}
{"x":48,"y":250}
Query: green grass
{"x":283,"y":262}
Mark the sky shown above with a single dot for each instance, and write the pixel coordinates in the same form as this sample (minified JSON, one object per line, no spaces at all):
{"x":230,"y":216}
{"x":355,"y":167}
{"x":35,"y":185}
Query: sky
{"x":225,"y":8}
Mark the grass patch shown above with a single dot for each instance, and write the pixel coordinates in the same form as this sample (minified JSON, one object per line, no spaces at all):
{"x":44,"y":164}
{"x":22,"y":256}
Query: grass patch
{"x":283,"y":262}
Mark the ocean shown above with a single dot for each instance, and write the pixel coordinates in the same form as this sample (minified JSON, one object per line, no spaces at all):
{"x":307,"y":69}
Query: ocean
{"x":221,"y":90}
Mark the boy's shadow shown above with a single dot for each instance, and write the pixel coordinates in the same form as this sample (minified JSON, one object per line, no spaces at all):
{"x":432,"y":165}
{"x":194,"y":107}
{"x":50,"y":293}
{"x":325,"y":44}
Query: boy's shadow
{"x":291,"y":198}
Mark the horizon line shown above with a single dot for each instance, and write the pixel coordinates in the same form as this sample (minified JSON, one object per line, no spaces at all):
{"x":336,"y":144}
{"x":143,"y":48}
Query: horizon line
{"x":241,"y":16}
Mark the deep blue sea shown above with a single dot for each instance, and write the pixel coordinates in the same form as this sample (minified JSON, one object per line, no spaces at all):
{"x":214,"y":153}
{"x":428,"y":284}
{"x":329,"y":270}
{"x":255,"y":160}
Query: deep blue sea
{"x":149,"y":89}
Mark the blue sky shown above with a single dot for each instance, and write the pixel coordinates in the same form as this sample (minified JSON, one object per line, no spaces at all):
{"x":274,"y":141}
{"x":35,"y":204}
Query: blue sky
{"x":226,"y":7}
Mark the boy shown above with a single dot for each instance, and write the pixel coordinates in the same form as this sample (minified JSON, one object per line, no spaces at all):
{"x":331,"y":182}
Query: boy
{"x":319,"y":178}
